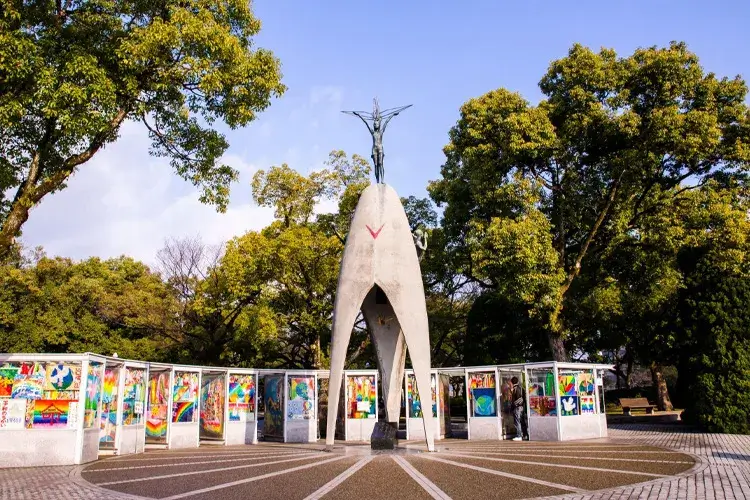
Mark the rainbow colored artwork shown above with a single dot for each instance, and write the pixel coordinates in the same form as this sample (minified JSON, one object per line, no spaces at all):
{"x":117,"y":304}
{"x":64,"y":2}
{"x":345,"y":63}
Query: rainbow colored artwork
{"x":212,"y":407}
{"x":51,"y":414}
{"x":185,"y":387}
{"x":241,"y":398}
{"x":360,"y":396}
{"x":93,"y":388}
{"x":109,"y":405}
{"x":158,"y":397}
{"x":156,"y":427}
{"x":134,"y":393}
{"x":567,"y":385}
{"x":183,"y":411}
{"x":587,"y":404}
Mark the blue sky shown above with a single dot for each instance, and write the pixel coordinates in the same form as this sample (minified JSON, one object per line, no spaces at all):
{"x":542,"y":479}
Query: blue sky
{"x":338,"y":55}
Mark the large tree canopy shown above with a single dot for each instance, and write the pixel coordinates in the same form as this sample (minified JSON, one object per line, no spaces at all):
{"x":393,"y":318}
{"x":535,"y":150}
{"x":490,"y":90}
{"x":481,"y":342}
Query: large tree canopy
{"x":71,"y":72}
{"x":56,"y":305}
{"x":286,"y":274}
{"x":532,"y":192}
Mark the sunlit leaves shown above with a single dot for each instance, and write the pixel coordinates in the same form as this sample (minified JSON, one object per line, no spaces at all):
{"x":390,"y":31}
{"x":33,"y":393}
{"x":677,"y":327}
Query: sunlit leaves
{"x":613,"y":147}
{"x":71,"y":75}
{"x":56,"y":305}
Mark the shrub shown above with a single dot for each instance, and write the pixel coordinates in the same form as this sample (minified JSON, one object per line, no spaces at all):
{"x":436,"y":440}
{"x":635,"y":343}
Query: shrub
{"x":715,"y":364}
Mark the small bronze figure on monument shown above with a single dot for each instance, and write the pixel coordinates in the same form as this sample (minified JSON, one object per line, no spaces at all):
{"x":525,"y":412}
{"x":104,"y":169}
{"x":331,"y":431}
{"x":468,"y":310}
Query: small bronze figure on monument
{"x":379,"y":121}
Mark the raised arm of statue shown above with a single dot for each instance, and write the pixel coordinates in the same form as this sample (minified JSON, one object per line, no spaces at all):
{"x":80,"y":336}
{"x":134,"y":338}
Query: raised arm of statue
{"x":390,"y":113}
{"x":367,"y":124}
{"x":385,"y":122}
{"x":376,"y":122}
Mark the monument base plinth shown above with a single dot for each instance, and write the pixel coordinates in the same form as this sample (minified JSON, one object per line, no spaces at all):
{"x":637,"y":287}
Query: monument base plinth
{"x":384,"y":436}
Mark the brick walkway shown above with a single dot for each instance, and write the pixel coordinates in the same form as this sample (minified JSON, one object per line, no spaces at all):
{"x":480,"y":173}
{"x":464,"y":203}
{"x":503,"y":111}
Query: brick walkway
{"x":723,"y":472}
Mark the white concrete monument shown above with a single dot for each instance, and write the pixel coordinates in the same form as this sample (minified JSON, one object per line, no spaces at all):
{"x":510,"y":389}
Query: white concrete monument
{"x":380,"y":275}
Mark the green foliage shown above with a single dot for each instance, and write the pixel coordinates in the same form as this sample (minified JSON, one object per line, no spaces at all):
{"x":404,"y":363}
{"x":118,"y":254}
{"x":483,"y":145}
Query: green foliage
{"x":640,"y":280}
{"x":292,"y":195}
{"x":292,"y":273}
{"x":419,"y":212}
{"x":56,"y":305}
{"x":72,"y":72}
{"x":518,"y":245}
{"x":612,"y":144}
{"x":715,"y":364}
{"x":499,"y":330}
{"x":284,"y":277}
{"x":215,"y":325}
{"x":348,"y":178}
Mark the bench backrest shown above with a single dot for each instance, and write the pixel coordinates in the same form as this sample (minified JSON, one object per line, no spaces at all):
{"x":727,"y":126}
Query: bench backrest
{"x":630,"y":402}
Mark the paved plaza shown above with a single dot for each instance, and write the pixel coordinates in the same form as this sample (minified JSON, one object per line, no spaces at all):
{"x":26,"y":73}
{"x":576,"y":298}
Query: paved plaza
{"x":634,"y":462}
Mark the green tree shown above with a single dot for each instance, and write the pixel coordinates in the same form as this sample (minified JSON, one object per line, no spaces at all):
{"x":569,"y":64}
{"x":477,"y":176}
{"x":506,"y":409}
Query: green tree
{"x":288,"y":272}
{"x":500,"y":330}
{"x":215,"y":325}
{"x":57,"y":305}
{"x":291,"y":194}
{"x":714,"y":362}
{"x":347,"y":178}
{"x":72,"y":72}
{"x":420,"y":212}
{"x":615,"y":139}
{"x":632,"y":293}
{"x":447,"y":294}
{"x":292,"y":272}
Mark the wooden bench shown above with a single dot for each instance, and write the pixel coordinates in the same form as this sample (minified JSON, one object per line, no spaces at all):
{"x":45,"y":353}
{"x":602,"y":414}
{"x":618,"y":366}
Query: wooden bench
{"x":636,"y":404}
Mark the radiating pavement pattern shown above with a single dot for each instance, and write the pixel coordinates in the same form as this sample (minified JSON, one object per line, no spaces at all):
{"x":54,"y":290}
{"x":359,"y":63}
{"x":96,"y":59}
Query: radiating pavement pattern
{"x":635,"y":462}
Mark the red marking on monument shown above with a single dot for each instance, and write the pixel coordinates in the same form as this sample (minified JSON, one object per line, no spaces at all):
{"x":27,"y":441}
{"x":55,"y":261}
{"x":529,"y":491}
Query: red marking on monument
{"x":374,"y":233}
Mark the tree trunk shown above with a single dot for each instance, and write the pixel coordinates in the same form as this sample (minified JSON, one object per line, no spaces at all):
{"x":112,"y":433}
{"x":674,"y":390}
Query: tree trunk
{"x":629,"y":374}
{"x":663,"y":402}
{"x":618,"y":374}
{"x":11,"y":228}
{"x":317,"y":353}
{"x":35,"y":186}
{"x":557,"y":347}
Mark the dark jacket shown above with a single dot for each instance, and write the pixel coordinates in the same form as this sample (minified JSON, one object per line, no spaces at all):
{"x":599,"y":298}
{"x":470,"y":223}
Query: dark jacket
{"x":517,"y":396}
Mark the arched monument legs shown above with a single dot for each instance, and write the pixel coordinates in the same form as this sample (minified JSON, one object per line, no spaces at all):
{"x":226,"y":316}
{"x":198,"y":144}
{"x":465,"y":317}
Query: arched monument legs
{"x":390,"y":348}
{"x":412,"y":315}
{"x":380,"y":274}
{"x":346,"y":308}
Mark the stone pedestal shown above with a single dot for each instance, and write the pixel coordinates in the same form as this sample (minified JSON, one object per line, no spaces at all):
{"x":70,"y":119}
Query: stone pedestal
{"x":383,"y":436}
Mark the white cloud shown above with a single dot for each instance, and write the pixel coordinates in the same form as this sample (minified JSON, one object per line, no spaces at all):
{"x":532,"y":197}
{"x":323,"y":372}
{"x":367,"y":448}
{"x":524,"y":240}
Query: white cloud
{"x":126,"y":202}
{"x":330,"y":95}
{"x":326,"y":207}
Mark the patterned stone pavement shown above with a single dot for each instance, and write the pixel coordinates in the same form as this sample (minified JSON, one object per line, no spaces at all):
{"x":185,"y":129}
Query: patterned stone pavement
{"x":708,"y":466}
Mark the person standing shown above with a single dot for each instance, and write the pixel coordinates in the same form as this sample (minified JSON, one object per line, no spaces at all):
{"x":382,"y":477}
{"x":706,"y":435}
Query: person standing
{"x":518,"y":404}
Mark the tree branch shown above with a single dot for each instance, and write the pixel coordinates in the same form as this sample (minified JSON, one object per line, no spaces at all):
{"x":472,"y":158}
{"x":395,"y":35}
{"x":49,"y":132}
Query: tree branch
{"x":590,"y":237}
